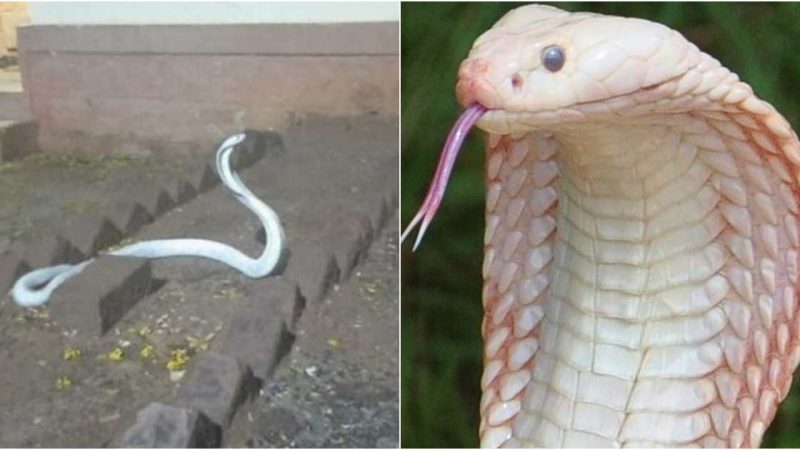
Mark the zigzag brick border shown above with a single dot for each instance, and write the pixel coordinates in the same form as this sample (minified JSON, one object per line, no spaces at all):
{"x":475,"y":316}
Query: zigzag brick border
{"x":97,"y":231}
{"x":220,"y":382}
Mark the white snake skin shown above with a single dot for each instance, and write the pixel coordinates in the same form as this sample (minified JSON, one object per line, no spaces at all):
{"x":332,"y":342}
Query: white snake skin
{"x":641,"y":247}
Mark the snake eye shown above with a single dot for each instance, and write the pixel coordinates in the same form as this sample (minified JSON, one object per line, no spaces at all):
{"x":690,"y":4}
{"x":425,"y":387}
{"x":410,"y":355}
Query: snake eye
{"x":553,"y":58}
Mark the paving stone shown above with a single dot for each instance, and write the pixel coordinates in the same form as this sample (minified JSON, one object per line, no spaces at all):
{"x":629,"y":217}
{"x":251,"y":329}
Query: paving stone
{"x":380,"y":214}
{"x":216,"y":386}
{"x":129,"y":216}
{"x":279,"y":294}
{"x":262,"y":333}
{"x":92,"y":233}
{"x":245,"y":155}
{"x":157,"y":201}
{"x":349,"y":240}
{"x":382,"y":203}
{"x":208,"y":178}
{"x":389,"y":208}
{"x":183,"y":191}
{"x":164,"y":426}
{"x":50,"y":250}
{"x":18,"y":139}
{"x":273,"y":142}
{"x":254,"y":147}
{"x":99,"y":297}
{"x":11,"y":268}
{"x":391,"y":199}
{"x":313,"y":268}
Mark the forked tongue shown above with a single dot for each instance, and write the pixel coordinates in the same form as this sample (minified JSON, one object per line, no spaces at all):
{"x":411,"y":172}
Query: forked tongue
{"x":448,"y":157}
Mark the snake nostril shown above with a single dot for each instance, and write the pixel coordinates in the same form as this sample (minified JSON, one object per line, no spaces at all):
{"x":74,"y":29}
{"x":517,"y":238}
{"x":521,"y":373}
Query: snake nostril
{"x":517,"y":82}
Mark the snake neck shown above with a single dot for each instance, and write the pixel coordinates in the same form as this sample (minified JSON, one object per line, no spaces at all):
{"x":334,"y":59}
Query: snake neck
{"x":611,"y":312}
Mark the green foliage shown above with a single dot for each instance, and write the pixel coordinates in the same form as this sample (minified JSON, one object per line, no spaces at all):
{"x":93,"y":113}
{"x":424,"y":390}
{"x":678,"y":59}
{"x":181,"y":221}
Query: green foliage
{"x":441,"y":307}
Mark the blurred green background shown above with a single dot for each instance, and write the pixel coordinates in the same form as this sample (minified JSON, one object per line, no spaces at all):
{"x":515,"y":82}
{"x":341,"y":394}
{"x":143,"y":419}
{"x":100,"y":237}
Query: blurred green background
{"x":441,"y":305}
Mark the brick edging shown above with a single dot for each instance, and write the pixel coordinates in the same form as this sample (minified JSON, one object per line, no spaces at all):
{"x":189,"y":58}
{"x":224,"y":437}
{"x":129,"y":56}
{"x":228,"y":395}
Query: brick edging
{"x":220,"y":382}
{"x":94,"y":232}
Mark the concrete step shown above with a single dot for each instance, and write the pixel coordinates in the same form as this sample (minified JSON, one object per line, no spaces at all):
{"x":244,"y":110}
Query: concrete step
{"x":15,"y":106}
{"x":17,"y":137}
{"x":14,"y":102}
{"x":18,"y":131}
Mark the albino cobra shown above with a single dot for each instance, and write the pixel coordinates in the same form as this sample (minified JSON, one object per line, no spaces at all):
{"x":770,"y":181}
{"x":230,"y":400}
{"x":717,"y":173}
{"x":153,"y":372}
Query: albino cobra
{"x":641,"y":243}
{"x":35,"y":288}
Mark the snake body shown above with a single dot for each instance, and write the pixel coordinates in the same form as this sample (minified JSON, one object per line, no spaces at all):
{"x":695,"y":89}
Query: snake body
{"x":35,"y":288}
{"x":641,"y":243}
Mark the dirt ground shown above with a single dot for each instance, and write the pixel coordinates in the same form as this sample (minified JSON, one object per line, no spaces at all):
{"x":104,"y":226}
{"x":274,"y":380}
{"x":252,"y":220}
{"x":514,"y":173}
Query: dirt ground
{"x":338,"y":387}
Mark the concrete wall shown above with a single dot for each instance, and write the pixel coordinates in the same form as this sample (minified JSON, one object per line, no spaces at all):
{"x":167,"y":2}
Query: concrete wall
{"x":176,"y":87}
{"x":148,"y":13}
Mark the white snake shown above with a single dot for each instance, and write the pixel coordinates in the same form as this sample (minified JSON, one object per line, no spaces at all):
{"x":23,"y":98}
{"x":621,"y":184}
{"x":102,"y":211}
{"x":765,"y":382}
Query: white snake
{"x":35,"y":288}
{"x":641,"y":246}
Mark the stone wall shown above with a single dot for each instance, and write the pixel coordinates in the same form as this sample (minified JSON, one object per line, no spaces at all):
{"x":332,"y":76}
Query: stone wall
{"x":111,"y":88}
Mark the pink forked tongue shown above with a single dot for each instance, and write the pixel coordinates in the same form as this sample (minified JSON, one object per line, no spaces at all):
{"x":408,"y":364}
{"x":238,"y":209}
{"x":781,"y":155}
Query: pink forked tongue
{"x":436,"y":190}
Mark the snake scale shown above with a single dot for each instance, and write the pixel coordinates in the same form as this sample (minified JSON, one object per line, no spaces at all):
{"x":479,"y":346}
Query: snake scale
{"x":641,"y":238}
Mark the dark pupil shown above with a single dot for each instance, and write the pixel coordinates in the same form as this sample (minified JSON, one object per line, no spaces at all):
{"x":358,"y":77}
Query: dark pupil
{"x":553,"y":58}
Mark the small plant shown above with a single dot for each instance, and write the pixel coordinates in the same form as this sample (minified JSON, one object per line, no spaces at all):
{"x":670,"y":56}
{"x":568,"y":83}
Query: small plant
{"x":146,"y":351}
{"x":71,"y":354}
{"x":116,"y":355}
{"x":63,"y":383}
{"x":177,"y":361}
{"x":198,"y":345}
